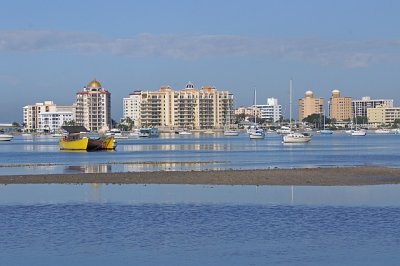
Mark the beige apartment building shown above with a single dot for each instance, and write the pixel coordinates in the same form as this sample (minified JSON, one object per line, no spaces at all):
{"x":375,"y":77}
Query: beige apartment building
{"x":189,"y":108}
{"x":248,"y":111}
{"x":93,"y":107}
{"x":340,"y":108}
{"x":46,"y":116}
{"x":310,"y":105}
{"x":382,"y":115}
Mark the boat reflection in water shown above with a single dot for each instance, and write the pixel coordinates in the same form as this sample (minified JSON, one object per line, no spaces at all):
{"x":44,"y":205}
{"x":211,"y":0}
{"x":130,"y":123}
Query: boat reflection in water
{"x":87,"y":169}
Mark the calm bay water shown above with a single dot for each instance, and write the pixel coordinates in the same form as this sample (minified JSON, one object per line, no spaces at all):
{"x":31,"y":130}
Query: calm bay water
{"x":199,"y":152}
{"x":199,"y":225}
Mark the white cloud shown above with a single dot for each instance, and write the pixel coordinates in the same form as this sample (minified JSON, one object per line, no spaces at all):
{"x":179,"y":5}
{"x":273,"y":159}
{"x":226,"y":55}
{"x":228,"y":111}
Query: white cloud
{"x":190,"y":47}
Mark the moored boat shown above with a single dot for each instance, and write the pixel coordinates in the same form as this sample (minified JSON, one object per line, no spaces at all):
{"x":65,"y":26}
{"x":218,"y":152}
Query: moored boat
{"x":116,"y":133}
{"x":297,"y":137}
{"x":78,"y":139}
{"x":148,"y":132}
{"x":231,"y":132}
{"x":257,"y":134}
{"x":383,"y":131}
{"x":6,"y":137}
{"x":358,"y":133}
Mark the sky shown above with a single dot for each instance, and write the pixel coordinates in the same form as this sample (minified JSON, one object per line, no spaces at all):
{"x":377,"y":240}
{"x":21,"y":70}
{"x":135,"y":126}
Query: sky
{"x":51,"y":49}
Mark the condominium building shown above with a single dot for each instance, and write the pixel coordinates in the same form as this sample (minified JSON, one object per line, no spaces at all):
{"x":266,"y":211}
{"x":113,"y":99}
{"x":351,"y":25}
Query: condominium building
{"x":53,"y":121}
{"x":93,"y":107}
{"x":360,"y":106}
{"x":310,"y":105}
{"x":188,"y":108}
{"x":46,"y":116}
{"x":132,"y":107}
{"x":248,"y":111}
{"x":31,"y":114}
{"x":272,"y":111}
{"x":340,"y":107}
{"x":382,"y":115}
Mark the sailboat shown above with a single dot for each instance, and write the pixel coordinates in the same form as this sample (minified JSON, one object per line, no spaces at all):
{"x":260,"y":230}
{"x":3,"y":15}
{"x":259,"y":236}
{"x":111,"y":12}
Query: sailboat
{"x":357,"y":131}
{"x":294,"y":137}
{"x":227,"y":130}
{"x":326,"y":131}
{"x":254,"y":131}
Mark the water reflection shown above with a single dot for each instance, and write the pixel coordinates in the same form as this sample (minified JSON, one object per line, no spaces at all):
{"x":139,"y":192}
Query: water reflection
{"x":40,"y":148}
{"x":381,"y":195}
{"x":93,"y":168}
{"x":174,"y":147}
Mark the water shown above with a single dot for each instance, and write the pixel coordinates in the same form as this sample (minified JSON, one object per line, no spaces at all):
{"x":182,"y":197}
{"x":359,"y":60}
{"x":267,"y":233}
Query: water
{"x":199,"y":152}
{"x":199,"y":225}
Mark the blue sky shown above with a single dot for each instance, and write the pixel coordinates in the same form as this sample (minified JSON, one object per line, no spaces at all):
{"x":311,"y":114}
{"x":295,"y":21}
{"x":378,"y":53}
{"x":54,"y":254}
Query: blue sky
{"x":49,"y":50}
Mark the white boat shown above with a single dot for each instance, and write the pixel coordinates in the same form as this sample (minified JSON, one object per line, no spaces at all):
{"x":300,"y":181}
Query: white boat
{"x":254,"y":131}
{"x":325,"y":131}
{"x":184,"y":132}
{"x":383,"y":131}
{"x":57,"y":135}
{"x":134,"y":133}
{"x":116,"y":133}
{"x":231,"y":132}
{"x":148,"y":132}
{"x":228,"y":131}
{"x":6,"y":137}
{"x":257,"y":134}
{"x":358,"y":133}
{"x":297,"y":137}
{"x":210,"y":132}
{"x":283,"y":130}
{"x":294,"y":137}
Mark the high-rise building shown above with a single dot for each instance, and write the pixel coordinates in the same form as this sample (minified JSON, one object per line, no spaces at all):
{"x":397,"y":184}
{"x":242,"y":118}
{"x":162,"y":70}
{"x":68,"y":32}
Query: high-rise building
{"x":360,"y":106}
{"x":132,"y":107}
{"x":340,"y":107}
{"x":272,"y":111}
{"x":32,"y":112}
{"x":310,"y":105}
{"x":93,"y":107}
{"x":190,"y":108}
{"x":46,"y":116}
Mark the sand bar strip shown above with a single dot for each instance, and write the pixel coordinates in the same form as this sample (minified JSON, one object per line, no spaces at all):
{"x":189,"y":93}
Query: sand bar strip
{"x":344,"y":176}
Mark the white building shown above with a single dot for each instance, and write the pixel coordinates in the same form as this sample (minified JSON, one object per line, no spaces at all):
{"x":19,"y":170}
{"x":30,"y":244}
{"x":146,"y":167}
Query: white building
{"x":46,"y":116}
{"x":53,"y":121}
{"x":131,"y":107}
{"x":31,"y":114}
{"x":271,"y":111}
{"x":360,"y":106}
{"x":93,"y":107}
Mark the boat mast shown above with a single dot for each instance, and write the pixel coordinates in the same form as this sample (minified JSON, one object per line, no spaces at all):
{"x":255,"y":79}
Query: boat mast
{"x":290,"y":103}
{"x":255,"y":115}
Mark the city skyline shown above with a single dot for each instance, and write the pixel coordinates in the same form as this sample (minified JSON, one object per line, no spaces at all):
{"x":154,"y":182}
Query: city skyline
{"x":50,"y":50}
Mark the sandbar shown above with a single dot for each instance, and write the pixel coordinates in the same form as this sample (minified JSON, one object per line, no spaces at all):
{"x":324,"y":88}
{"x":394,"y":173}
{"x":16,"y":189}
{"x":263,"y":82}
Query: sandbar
{"x":333,"y":176}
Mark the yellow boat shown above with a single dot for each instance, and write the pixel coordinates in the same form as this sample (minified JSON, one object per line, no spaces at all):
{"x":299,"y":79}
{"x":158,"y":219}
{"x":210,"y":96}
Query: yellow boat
{"x":78,"y":140}
{"x":67,"y":143}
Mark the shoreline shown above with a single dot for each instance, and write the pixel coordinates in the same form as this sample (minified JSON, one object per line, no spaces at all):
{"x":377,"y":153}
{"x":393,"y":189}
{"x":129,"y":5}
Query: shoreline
{"x":333,"y":176}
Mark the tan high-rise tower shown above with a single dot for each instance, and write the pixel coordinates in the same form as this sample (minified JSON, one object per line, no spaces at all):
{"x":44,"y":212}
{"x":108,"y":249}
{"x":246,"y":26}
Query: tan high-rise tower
{"x":340,"y":108}
{"x":310,"y":105}
{"x":93,"y":107}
